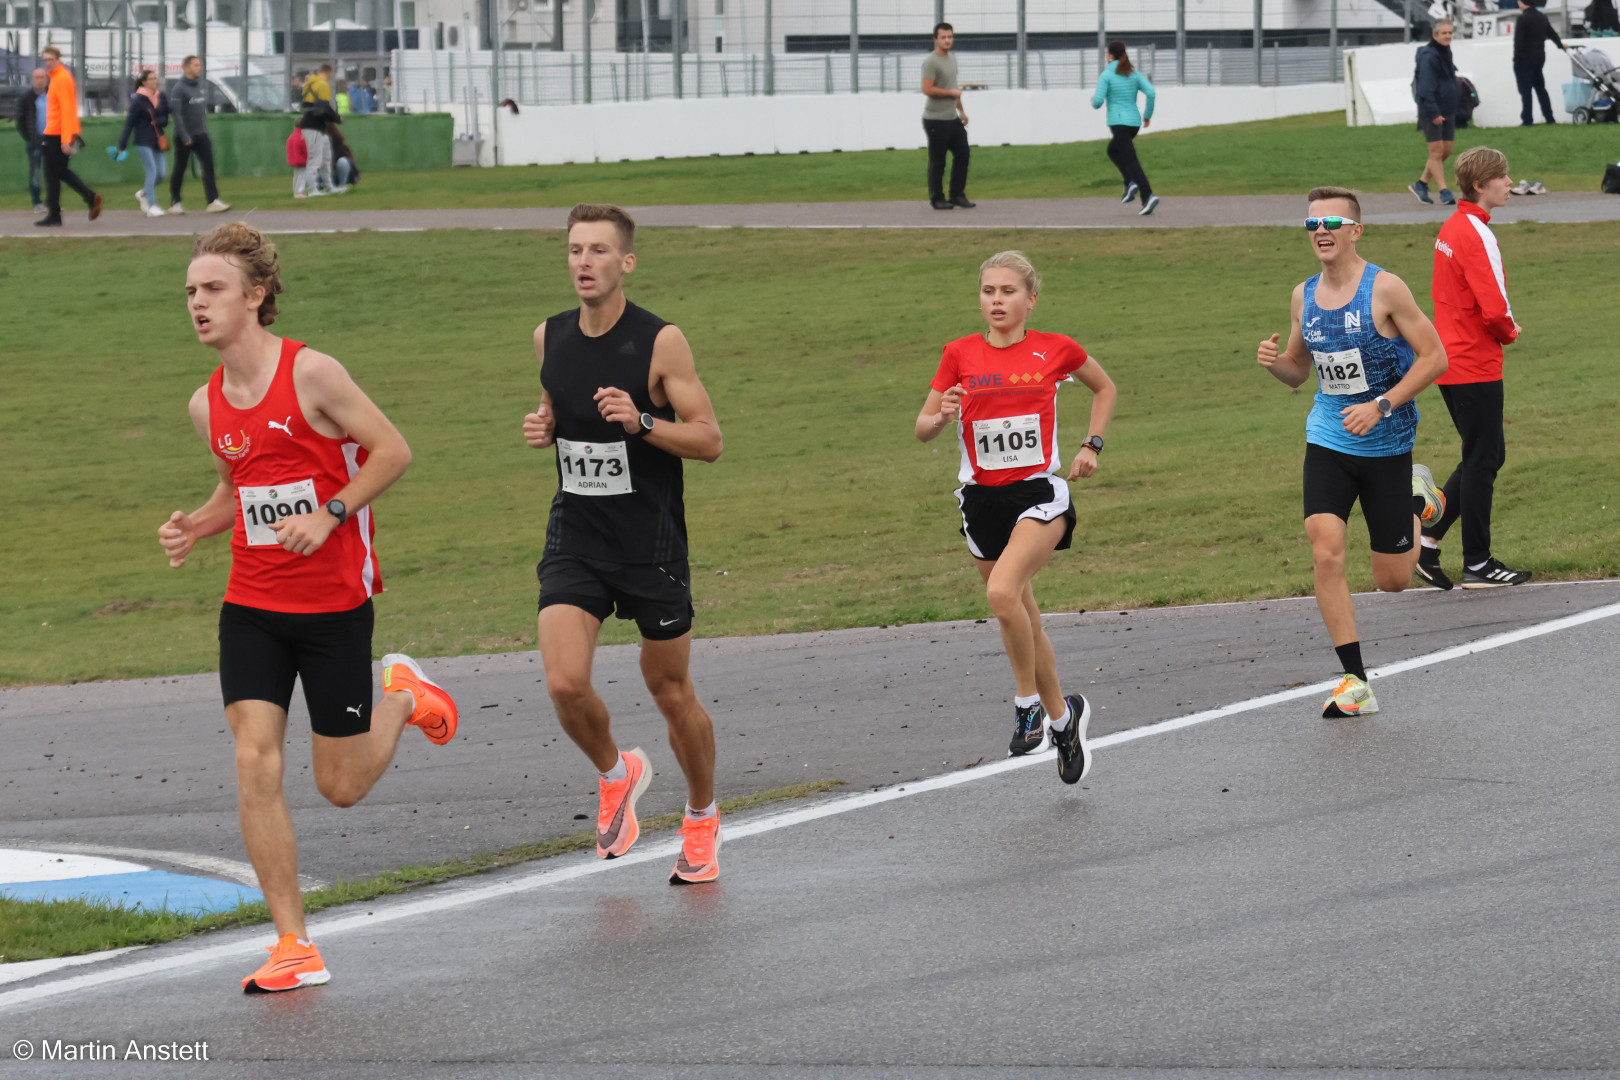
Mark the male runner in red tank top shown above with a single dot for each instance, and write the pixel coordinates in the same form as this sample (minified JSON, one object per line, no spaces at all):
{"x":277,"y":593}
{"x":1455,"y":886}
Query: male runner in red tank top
{"x":301,"y":454}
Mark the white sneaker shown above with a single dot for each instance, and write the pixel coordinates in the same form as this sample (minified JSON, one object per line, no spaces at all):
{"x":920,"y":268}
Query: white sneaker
{"x":154,"y":211}
{"x":177,"y":209}
{"x":39,"y":208}
{"x":344,"y":190}
{"x":140,"y":197}
{"x":217,"y":207}
{"x":318,"y":192}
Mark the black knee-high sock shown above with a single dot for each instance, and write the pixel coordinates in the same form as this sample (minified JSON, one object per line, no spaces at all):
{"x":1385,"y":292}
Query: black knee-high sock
{"x":1350,"y":660}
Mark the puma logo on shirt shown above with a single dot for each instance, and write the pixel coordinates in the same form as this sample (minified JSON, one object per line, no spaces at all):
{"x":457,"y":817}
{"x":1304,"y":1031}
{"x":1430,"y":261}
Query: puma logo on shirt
{"x":285,"y":426}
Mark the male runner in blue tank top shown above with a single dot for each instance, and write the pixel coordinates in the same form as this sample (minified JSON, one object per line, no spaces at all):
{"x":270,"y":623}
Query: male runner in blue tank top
{"x":623,"y":405}
{"x":1373,"y":351}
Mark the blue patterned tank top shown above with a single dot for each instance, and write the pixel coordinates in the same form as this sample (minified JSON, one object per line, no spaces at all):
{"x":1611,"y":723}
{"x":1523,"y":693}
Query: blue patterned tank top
{"x":1355,"y":363}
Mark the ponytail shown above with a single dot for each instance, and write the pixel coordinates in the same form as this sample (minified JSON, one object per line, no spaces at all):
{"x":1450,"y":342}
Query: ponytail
{"x":1116,"y":51}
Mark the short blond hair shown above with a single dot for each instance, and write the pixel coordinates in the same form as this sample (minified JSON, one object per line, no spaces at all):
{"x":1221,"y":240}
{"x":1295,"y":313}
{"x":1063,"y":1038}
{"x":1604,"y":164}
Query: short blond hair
{"x":1476,"y":166}
{"x":617,"y":215}
{"x":1328,"y":191}
{"x":252,"y":254}
{"x":1018,"y":262}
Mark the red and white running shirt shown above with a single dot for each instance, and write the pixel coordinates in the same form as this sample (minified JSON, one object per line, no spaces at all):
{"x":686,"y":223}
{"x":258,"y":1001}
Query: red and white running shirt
{"x":1471,"y":309}
{"x":1008,"y":429}
{"x":280,"y":466}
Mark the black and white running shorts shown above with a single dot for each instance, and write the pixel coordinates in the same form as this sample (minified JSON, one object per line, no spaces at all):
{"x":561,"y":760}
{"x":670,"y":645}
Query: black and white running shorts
{"x":262,"y":652}
{"x":990,"y":513}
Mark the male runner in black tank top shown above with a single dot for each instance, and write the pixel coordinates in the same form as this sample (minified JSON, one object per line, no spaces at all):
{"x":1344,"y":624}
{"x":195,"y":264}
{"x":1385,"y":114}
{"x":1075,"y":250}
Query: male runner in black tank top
{"x":623,"y":405}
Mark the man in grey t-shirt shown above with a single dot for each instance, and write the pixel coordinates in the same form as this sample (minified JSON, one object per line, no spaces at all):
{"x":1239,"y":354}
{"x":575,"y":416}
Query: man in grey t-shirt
{"x":945,"y":122}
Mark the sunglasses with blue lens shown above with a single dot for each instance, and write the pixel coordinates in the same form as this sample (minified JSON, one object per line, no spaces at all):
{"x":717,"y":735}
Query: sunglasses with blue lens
{"x":1328,"y":223}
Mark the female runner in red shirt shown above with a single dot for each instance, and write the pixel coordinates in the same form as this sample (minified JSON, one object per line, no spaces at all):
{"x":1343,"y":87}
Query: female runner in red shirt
{"x":1001,"y":388}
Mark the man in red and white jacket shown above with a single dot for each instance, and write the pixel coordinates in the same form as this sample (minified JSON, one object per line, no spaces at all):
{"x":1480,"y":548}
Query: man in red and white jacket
{"x":1475,"y":319}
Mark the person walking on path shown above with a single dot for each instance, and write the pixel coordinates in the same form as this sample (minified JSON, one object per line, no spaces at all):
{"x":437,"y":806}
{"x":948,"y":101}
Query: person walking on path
{"x":147,"y":117}
{"x":31,"y":113}
{"x":1357,"y":328}
{"x":1530,"y":39}
{"x":189,"y":104}
{"x":1475,"y":319}
{"x":1437,"y":102}
{"x":61,"y":140}
{"x":1000,"y":388}
{"x":945,"y":121}
{"x":624,"y":407}
{"x":300,"y":454}
{"x":1118,"y":86}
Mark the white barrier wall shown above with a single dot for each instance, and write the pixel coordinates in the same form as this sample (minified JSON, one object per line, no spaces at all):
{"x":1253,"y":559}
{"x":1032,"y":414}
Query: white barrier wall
{"x":1379,"y":78}
{"x":642,"y":130}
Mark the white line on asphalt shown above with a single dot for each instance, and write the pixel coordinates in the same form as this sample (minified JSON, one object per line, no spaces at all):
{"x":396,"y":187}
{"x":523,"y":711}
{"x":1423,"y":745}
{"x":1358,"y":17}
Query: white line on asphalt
{"x":458,"y":895}
{"x":230,"y":869}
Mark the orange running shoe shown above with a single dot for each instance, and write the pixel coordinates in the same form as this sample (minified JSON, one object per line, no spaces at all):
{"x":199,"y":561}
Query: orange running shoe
{"x":616,"y":824}
{"x":292,"y":964}
{"x":435,"y":712}
{"x":700,"y":852}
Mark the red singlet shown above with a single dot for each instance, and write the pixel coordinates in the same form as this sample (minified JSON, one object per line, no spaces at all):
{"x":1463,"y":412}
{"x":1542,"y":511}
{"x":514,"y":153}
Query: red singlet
{"x":280,"y":466}
{"x":1008,"y":429}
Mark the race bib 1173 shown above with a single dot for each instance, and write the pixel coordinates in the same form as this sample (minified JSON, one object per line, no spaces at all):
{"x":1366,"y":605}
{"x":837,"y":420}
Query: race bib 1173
{"x":594,"y":468}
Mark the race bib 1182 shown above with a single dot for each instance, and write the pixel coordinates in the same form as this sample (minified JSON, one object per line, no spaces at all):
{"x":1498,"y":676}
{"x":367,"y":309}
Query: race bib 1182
{"x":1340,"y":373}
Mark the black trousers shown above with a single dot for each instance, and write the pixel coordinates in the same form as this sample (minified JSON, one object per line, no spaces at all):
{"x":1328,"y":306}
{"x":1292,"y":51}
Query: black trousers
{"x":1529,"y":76}
{"x":57,"y":173}
{"x":1476,"y":410}
{"x":203,"y":150}
{"x":1122,"y":152}
{"x":946,"y":137}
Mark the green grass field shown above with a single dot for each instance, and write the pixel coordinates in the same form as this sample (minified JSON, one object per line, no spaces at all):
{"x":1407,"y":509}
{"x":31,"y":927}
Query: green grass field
{"x":817,"y":347}
{"x":1287,"y":156}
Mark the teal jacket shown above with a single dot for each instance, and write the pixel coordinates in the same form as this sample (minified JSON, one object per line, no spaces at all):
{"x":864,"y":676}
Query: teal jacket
{"x":1120,"y":93}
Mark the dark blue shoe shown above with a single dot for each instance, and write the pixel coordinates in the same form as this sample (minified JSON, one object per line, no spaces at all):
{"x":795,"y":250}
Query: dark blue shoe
{"x":1421,"y":190}
{"x":1447,"y":198}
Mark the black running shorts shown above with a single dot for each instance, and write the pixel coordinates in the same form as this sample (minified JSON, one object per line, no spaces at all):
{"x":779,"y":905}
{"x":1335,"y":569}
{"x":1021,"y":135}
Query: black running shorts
{"x":989,"y":513}
{"x":658,"y":596}
{"x":262,"y":652}
{"x":1333,"y":482}
{"x":1433,"y":132}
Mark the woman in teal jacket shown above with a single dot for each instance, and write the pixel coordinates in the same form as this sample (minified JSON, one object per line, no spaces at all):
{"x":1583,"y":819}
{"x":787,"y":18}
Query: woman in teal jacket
{"x":1119,"y":85}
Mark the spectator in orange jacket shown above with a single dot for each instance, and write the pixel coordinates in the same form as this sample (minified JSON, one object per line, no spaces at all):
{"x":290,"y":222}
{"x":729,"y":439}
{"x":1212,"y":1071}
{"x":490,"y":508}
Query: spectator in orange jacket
{"x":61,"y":140}
{"x":1475,"y":319}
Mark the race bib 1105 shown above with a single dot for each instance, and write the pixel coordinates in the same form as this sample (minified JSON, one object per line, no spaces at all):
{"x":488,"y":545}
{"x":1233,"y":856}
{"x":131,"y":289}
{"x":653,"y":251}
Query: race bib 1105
{"x":1009,"y":442}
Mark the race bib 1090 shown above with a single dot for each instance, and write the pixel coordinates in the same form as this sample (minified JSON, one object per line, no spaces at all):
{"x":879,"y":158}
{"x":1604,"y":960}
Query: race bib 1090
{"x":262,"y":507}
{"x":594,"y":468}
{"x":1009,"y":442}
{"x":1340,"y":373}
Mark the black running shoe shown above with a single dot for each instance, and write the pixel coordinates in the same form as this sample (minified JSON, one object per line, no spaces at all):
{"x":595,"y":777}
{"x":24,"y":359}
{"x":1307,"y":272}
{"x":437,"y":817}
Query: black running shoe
{"x":1029,"y":731}
{"x":1428,"y":568}
{"x":1493,"y":575}
{"x":1074,"y":753}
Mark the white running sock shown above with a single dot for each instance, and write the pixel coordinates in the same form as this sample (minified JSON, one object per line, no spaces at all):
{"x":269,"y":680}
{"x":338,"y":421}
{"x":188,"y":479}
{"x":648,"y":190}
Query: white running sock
{"x":1063,"y":721}
{"x":1024,"y":702}
{"x":1480,"y":566}
{"x":1429,"y":542}
{"x":618,"y":772}
{"x":712,"y":810}
{"x":305,"y":944}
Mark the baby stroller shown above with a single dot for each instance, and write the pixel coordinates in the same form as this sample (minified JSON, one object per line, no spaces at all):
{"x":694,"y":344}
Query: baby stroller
{"x":1595,"y":97}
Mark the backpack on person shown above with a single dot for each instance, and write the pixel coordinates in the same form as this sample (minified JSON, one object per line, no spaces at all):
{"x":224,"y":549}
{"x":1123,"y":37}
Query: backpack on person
{"x":297,"y":149}
{"x":1611,"y":180}
{"x":1467,"y":101}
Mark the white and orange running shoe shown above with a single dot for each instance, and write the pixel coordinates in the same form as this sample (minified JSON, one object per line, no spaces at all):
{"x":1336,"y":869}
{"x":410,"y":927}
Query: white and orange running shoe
{"x":435,"y":711}
{"x":616,"y":824}
{"x":292,"y":964}
{"x":700,"y":852}
{"x":1354,"y":697}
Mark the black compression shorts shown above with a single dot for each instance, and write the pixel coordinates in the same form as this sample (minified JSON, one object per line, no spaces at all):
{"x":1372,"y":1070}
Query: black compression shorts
{"x":262,"y":652}
{"x":1334,"y":481}
{"x":658,"y":596}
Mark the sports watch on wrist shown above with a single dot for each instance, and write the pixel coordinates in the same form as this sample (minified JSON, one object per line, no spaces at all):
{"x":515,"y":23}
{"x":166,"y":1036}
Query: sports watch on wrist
{"x":1095,"y":442}
{"x":1384,"y":406}
{"x":647,"y":421}
{"x":336,"y":508}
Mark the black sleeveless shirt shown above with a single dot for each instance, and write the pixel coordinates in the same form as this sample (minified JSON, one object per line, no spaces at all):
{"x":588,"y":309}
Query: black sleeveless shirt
{"x":648,"y":523}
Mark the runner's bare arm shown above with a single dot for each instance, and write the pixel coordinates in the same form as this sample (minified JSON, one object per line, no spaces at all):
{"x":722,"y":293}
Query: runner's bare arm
{"x":181,"y":532}
{"x":1395,"y":309}
{"x":697,"y":436}
{"x":940,"y":409}
{"x":340,"y":408}
{"x":1094,"y":378}
{"x":540,"y":426}
{"x":1291,"y":365}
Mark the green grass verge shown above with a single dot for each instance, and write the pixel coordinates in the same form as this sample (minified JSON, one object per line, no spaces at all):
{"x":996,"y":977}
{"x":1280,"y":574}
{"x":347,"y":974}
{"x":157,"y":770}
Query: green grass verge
{"x":1287,"y":156}
{"x":36,"y":930}
{"x":817,"y":347}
